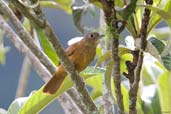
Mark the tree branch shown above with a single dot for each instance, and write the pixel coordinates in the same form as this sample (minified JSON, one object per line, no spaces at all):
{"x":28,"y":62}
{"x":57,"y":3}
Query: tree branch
{"x":80,"y":85}
{"x":40,"y":69}
{"x":13,"y":37}
{"x":143,"y":35}
{"x":85,"y":98}
{"x":66,"y":102}
{"x":22,"y":83}
{"x":26,"y":37}
{"x":108,"y":98}
{"x":111,"y":21}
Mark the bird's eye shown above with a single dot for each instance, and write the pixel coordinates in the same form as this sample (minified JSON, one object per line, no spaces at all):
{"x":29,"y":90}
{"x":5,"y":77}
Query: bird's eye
{"x":91,"y":35}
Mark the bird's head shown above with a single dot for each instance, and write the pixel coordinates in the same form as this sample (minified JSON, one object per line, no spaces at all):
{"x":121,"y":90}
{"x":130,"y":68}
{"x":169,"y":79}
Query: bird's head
{"x":92,"y":37}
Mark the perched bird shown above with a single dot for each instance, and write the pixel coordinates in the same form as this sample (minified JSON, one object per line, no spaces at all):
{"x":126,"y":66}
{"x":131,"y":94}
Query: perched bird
{"x":80,"y":54}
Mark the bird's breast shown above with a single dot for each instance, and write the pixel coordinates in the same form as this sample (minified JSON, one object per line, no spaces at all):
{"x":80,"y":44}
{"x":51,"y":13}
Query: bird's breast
{"x":83,"y":57}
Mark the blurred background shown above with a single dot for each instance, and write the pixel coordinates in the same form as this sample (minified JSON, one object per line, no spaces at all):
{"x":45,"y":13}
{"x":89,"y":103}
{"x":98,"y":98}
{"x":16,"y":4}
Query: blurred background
{"x":10,"y":71}
{"x":65,"y":29}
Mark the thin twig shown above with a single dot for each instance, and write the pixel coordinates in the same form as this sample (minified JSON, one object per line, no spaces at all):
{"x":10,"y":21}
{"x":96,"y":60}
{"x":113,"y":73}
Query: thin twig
{"x":80,"y":85}
{"x":108,"y":98}
{"x":111,"y":21}
{"x":40,"y":69}
{"x":23,"y":79}
{"x":13,"y":37}
{"x":91,"y":107}
{"x":66,"y":102}
{"x":143,"y":35}
{"x":26,"y":37}
{"x":74,"y":95}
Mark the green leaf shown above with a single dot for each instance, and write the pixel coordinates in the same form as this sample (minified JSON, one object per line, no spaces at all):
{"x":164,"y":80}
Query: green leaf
{"x":96,"y":83}
{"x":53,"y":4}
{"x":96,"y":3}
{"x":98,"y":51}
{"x":167,"y":62}
{"x":48,"y":48}
{"x":102,"y":58}
{"x":124,"y":58}
{"x":164,"y":88}
{"x":168,"y":9}
{"x":65,"y":2}
{"x":153,"y":67}
{"x":39,"y":100}
{"x":61,"y":4}
{"x":128,"y":10}
{"x":163,"y":13}
{"x":122,"y":50}
{"x":146,"y":77}
{"x":16,"y":105}
{"x":3,"y":50}
{"x":108,"y":75}
{"x":159,"y":45}
{"x":156,"y":104}
{"x":131,"y":26}
{"x":153,"y":51}
{"x":157,"y":18}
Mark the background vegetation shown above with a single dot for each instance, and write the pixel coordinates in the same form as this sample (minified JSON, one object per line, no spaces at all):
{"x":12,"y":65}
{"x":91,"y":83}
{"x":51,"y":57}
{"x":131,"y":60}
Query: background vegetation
{"x":131,"y":74}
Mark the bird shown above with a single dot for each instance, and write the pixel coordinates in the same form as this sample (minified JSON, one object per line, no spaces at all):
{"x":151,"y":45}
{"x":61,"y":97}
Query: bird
{"x":81,"y":54}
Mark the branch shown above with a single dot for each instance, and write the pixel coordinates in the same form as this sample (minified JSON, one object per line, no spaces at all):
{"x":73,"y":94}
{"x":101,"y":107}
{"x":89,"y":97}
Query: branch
{"x":66,"y":102}
{"x":40,"y":69}
{"x":13,"y":37}
{"x":69,"y":67}
{"x":74,"y":95}
{"x":111,"y":21}
{"x":22,"y":83}
{"x":143,"y":35}
{"x":26,"y":37}
{"x":108,"y":98}
{"x":80,"y":85}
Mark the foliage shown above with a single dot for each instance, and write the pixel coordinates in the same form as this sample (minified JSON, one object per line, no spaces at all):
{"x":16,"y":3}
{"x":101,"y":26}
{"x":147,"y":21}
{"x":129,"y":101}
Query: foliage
{"x":156,"y":73}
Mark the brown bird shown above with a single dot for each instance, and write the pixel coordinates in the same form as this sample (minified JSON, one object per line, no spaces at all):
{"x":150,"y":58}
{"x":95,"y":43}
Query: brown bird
{"x":80,"y":54}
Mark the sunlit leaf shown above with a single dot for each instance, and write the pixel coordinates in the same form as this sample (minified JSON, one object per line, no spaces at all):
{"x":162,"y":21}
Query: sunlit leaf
{"x":102,"y":58}
{"x":146,"y":77}
{"x":157,"y":18}
{"x":124,"y":58}
{"x":164,"y":88}
{"x":106,"y":56}
{"x":47,"y":47}
{"x":59,"y":4}
{"x":96,"y":3}
{"x":164,"y":14}
{"x":152,"y":67}
{"x":131,"y":26}
{"x":153,"y":51}
{"x":108,"y":76}
{"x":3,"y":50}
{"x":96,"y":84}
{"x":18,"y":103}
{"x":53,"y":4}
{"x":39,"y":100}
{"x":98,"y":51}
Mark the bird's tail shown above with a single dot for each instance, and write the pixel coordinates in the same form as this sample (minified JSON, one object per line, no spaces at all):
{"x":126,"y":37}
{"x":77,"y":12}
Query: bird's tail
{"x":54,"y":83}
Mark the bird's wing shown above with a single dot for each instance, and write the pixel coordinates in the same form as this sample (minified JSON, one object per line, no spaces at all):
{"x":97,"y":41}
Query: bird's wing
{"x":71,"y":49}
